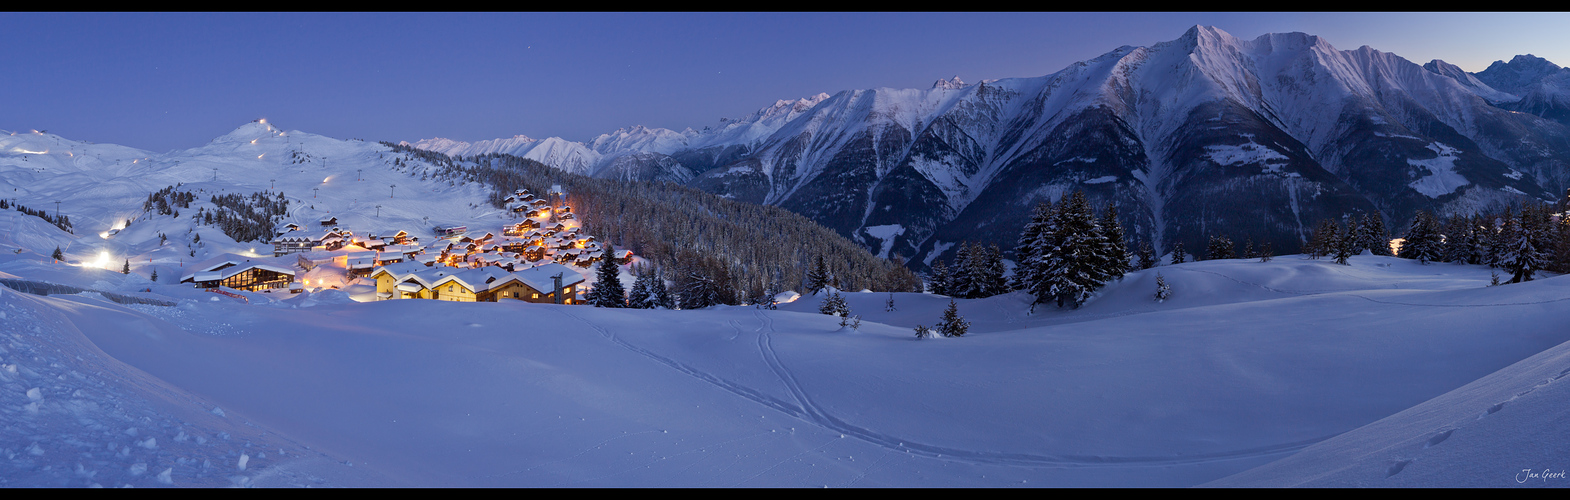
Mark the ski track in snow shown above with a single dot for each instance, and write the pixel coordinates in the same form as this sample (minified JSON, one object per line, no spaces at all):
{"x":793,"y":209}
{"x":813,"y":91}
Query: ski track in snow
{"x":812,"y":413}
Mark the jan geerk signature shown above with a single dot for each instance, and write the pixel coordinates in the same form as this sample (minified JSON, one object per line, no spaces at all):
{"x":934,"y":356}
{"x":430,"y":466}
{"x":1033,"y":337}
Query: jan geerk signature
{"x":1544,"y":475}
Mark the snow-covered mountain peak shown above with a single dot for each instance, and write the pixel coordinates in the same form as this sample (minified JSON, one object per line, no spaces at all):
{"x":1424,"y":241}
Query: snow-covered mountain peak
{"x":950,"y":84}
{"x":638,"y":139}
{"x":1518,"y":75}
{"x":1470,"y":82}
{"x":249,"y":132}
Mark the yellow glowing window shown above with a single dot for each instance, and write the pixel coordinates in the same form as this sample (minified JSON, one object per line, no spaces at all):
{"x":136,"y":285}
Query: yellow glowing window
{"x":536,"y":295}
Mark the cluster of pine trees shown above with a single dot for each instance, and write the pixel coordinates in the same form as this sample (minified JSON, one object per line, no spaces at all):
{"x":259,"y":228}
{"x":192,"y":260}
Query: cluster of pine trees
{"x":649,"y":290}
{"x":60,"y":221}
{"x":246,"y":218}
{"x":1066,"y":252}
{"x":1343,"y":240}
{"x":166,"y":200}
{"x":1520,"y":241}
{"x":977,"y":273}
{"x":715,"y":250}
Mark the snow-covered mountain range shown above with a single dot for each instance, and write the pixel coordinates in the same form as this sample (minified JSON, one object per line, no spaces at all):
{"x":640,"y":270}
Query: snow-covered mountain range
{"x":1204,"y":135}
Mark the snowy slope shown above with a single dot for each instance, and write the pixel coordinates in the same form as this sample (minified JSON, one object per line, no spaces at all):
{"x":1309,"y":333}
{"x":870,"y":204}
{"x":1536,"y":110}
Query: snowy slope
{"x":1246,"y":364}
{"x":1502,"y":430}
{"x":100,"y":187}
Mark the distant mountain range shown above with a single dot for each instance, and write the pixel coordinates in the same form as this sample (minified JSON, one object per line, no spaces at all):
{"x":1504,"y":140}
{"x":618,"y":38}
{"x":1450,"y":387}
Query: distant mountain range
{"x":1204,"y":135}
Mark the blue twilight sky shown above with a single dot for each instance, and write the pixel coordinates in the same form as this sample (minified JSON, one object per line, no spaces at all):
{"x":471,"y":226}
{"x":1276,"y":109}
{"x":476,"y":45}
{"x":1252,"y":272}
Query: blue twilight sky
{"x":171,"y":81}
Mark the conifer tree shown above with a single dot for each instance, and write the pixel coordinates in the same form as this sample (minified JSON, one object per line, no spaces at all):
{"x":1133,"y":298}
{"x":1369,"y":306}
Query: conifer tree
{"x":834,"y":305}
{"x":1345,"y":247}
{"x":660,"y":294}
{"x":952,"y":324}
{"x":1177,"y":253}
{"x":1079,"y":266}
{"x":1265,"y":254}
{"x":942,"y":281}
{"x":1422,"y":239}
{"x":127,"y":269}
{"x":1163,"y":290}
{"x":1116,"y":256}
{"x":1147,"y":256}
{"x":154,"y":277}
{"x":961,"y":281}
{"x":1524,"y":254}
{"x":818,"y":278}
{"x":608,"y":290}
{"x":889,"y":306}
{"x":986,"y":272}
{"x":1220,"y":247}
{"x":770,"y":293}
{"x":638,"y":297}
{"x":1025,"y":250}
{"x":58,"y":255}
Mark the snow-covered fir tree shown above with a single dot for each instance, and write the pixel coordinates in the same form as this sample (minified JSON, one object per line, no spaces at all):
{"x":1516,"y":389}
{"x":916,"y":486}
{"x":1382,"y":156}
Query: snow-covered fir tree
{"x":952,"y":324}
{"x":1147,"y":256}
{"x":818,"y":278}
{"x":642,"y":288}
{"x":660,"y":295}
{"x":984,"y":272}
{"x":1422,"y":239}
{"x":608,"y":291}
{"x":1345,"y":246}
{"x":1076,"y":265}
{"x":1025,"y":248}
{"x":834,"y":305}
{"x":1178,"y":256}
{"x":960,"y":276}
{"x":1220,"y":247}
{"x":942,"y":280}
{"x":1115,"y":248}
{"x":1528,"y":239}
{"x":1163,"y":290}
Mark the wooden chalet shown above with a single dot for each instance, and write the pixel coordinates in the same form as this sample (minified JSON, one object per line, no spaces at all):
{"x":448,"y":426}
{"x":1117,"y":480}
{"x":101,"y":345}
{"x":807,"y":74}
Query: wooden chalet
{"x":239,"y":273}
{"x":486,"y":284}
